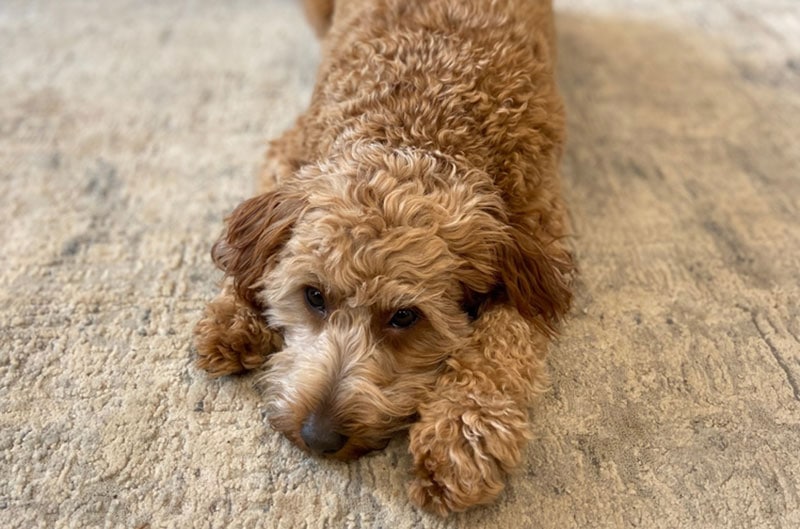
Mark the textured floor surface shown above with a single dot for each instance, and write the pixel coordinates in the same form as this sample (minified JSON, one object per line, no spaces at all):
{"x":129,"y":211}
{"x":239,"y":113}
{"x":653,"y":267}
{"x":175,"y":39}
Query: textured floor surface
{"x":128,"y":129}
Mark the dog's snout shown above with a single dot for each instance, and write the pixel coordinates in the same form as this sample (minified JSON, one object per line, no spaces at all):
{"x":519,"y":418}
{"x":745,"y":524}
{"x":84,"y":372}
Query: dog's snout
{"x":319,"y":434}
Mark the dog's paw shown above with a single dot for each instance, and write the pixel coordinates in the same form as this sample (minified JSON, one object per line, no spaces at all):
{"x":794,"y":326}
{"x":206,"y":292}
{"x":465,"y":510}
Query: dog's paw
{"x":463,"y":451}
{"x":231,"y":338}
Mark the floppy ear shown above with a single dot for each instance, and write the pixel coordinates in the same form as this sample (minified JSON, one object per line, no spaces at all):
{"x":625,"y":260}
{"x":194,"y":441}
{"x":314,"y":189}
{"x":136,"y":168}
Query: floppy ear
{"x":255,"y":231}
{"x":536,"y":277}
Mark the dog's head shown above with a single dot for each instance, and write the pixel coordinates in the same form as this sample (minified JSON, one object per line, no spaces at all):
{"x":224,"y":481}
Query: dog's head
{"x":373,"y":266}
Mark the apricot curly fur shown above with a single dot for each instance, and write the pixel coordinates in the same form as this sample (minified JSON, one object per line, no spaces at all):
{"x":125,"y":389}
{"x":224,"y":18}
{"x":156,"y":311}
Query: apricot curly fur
{"x":232,"y":338}
{"x":473,"y":426}
{"x":421,"y":180}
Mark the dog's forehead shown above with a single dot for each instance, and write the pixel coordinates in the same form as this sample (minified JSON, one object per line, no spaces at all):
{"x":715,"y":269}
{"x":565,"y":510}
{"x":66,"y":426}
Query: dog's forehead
{"x":358,"y":253}
{"x":390,"y":218}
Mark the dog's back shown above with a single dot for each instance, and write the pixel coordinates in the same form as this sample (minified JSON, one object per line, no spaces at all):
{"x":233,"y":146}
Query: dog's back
{"x":320,"y":13}
{"x":473,"y":80}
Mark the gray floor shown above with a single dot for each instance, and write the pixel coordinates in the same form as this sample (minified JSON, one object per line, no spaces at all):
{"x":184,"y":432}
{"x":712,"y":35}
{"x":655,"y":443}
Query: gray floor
{"x":128,"y":129}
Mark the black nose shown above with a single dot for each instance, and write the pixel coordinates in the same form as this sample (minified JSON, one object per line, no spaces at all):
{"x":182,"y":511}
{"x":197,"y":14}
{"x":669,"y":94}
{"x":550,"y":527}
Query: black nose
{"x":319,"y":435}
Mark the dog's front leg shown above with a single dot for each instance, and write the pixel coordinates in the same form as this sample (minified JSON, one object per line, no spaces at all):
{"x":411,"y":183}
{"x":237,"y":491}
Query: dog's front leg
{"x":473,"y":429}
{"x":232,"y":337}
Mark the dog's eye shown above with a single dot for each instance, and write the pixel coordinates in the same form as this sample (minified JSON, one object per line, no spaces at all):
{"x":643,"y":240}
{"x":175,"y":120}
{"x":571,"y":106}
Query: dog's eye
{"x":315,"y":299}
{"x":404,"y":318}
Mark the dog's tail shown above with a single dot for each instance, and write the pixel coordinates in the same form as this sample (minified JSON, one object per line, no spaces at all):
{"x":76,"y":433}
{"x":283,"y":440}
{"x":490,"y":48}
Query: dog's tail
{"x":319,"y":14}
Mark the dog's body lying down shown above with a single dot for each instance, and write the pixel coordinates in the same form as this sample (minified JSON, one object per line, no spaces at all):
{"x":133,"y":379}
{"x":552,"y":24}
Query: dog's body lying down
{"x":404,"y":266}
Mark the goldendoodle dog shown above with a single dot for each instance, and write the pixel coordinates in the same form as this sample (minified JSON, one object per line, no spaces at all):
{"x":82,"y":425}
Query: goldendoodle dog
{"x":405,"y":266}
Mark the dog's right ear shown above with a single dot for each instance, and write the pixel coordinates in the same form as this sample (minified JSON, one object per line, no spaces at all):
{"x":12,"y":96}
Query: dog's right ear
{"x":536,"y":277}
{"x":255,"y":231}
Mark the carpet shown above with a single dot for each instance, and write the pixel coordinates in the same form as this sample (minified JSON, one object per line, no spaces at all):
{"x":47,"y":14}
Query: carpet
{"x":129,"y":129}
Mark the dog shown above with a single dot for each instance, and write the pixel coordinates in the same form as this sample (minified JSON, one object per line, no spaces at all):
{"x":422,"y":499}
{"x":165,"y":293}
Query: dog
{"x":405,"y":265}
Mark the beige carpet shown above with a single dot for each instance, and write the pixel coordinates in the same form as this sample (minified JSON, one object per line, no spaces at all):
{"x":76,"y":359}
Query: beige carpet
{"x":128,"y":129}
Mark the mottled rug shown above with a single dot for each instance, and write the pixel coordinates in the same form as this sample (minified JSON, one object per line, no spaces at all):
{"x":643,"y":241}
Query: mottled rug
{"x":129,"y":129}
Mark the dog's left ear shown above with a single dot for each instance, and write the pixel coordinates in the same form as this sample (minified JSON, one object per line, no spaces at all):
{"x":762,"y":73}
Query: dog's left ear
{"x":536,"y":276}
{"x":255,"y":232}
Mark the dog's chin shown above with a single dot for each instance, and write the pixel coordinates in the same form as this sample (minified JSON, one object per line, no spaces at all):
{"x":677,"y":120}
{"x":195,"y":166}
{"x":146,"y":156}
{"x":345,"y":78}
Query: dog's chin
{"x":356,"y":448}
{"x":353,"y":449}
{"x":361,"y":442}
